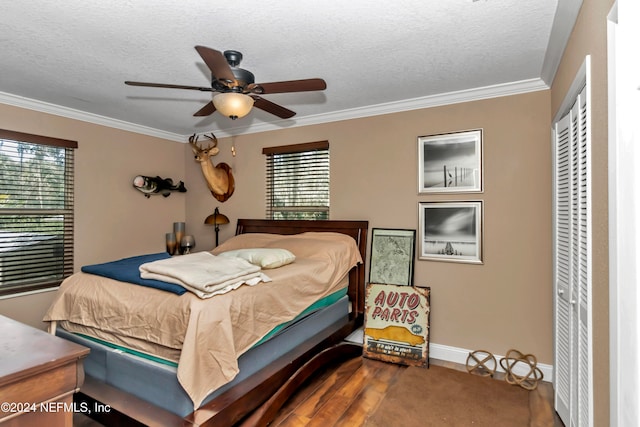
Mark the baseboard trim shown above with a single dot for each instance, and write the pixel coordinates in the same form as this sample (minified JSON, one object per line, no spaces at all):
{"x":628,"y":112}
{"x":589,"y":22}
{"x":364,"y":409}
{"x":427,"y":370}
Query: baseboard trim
{"x":458,"y":355}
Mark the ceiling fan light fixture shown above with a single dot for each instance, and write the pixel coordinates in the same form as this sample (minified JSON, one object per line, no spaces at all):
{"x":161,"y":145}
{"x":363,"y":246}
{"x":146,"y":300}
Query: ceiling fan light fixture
{"x":233,"y":105}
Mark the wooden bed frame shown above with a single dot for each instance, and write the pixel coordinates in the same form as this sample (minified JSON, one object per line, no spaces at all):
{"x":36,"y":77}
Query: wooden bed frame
{"x":255,"y":400}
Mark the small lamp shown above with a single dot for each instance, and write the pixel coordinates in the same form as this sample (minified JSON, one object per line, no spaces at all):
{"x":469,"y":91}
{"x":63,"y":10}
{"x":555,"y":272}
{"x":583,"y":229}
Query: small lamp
{"x":232,"y":104}
{"x":216,"y":218}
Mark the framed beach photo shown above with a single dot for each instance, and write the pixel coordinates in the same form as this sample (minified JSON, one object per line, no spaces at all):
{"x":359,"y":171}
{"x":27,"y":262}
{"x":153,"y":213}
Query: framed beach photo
{"x":450,"y":163}
{"x":451,"y":231}
{"x":392,"y":255}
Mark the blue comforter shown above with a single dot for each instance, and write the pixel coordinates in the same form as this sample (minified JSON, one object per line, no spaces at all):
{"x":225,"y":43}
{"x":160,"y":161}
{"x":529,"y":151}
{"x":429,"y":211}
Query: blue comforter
{"x":128,"y":270}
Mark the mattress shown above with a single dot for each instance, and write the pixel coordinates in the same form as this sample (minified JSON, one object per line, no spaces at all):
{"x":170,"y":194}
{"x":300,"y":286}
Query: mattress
{"x":324,"y":302}
{"x":157,"y":382}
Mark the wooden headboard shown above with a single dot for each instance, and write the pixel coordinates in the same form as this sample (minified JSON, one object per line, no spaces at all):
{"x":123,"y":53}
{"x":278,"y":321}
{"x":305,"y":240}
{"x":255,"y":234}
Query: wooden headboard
{"x":356,"y":229}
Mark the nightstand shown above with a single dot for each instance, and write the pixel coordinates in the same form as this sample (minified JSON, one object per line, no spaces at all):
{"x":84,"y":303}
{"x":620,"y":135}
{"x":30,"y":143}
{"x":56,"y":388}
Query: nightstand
{"x":39,"y":373}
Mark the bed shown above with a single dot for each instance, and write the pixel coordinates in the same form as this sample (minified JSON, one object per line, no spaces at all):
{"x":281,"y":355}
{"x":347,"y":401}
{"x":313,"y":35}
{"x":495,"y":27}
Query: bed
{"x":184,"y":374}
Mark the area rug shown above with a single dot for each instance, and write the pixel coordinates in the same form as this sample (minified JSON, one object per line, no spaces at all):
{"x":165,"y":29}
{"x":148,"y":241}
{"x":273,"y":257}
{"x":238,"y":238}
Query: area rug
{"x":440,"y":396}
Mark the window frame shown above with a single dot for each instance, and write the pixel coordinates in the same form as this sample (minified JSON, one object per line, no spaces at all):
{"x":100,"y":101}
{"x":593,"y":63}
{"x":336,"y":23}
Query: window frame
{"x":67,"y":212}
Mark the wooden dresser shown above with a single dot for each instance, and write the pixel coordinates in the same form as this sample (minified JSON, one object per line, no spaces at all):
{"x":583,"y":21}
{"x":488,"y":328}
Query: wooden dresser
{"x":39,"y":373}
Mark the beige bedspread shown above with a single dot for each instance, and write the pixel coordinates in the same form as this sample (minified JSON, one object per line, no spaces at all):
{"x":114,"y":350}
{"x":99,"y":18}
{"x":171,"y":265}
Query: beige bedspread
{"x":211,"y":334}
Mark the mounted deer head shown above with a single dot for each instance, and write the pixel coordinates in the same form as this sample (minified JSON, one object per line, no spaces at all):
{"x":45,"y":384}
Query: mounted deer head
{"x":219,"y":178}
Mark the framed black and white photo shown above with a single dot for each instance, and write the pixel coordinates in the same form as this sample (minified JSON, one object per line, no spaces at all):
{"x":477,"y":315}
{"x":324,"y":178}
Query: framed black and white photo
{"x":450,"y":163}
{"x":392,"y":255}
{"x":451,"y":231}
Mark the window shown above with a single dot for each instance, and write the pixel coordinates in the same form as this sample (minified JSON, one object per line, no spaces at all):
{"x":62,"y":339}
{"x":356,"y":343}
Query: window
{"x":298,"y":181}
{"x":36,"y":211}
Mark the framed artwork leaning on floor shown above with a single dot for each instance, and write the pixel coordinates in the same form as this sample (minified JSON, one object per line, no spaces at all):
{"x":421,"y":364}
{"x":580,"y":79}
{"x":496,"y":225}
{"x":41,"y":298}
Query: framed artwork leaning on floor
{"x":396,"y":324}
{"x":392,"y":255}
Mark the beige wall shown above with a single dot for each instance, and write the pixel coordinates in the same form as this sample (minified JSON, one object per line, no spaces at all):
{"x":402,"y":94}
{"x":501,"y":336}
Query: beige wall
{"x":503,"y":304}
{"x":112,"y":219}
{"x":589,"y":37}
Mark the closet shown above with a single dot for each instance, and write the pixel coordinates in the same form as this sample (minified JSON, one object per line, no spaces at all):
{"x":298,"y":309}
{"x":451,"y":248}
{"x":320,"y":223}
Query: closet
{"x":572,"y":258}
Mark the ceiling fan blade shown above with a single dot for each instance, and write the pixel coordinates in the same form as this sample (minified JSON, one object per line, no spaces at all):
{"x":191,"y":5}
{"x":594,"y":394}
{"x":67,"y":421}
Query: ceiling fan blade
{"x":217,"y":63}
{"x":272,"y":108}
{"x":203,"y":89}
{"x":304,"y":85}
{"x":207,"y":110}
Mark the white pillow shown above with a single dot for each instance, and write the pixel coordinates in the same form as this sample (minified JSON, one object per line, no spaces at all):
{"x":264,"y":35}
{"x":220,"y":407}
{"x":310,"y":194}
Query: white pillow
{"x":263,"y":257}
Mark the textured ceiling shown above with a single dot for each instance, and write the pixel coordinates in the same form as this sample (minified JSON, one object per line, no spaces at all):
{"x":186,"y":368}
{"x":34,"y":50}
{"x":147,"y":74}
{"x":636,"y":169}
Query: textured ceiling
{"x":72,"y":57}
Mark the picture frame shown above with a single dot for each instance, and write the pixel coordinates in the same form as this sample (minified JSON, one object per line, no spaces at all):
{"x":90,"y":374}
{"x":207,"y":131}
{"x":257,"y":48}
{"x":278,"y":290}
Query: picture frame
{"x":392,"y":256}
{"x":451,"y":231}
{"x":450,"y":163}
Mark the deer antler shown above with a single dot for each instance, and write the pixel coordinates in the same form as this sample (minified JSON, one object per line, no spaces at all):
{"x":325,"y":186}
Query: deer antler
{"x":193,"y":140}
{"x":212,"y":138}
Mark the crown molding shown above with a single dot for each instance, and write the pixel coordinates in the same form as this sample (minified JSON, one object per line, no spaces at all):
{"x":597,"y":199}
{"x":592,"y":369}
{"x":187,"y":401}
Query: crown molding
{"x":476,"y":94}
{"x":58,"y":110}
{"x":563,"y":22}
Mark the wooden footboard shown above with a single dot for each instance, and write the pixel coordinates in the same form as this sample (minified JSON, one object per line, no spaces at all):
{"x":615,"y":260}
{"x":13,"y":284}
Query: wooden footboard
{"x":262,"y":416}
{"x":279,"y":379}
{"x":228,"y":409}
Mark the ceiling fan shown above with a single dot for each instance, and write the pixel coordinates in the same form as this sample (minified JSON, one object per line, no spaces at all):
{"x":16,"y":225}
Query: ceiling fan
{"x":236,"y":89}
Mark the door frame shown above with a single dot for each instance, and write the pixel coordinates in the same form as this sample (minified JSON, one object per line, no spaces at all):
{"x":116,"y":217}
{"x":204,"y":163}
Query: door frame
{"x":624,"y":209}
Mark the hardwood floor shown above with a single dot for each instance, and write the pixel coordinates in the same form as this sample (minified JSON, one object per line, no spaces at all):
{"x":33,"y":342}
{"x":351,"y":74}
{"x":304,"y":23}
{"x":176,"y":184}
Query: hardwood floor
{"x":342,"y":395}
{"x":345,"y":394}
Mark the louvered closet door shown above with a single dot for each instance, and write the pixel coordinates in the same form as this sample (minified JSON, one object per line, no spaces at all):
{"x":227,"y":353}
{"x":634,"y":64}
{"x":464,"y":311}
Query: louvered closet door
{"x":564,"y":317}
{"x":573,"y":361}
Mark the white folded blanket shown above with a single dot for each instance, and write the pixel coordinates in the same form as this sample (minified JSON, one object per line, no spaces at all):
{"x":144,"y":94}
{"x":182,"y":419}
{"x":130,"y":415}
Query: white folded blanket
{"x":204,"y":274}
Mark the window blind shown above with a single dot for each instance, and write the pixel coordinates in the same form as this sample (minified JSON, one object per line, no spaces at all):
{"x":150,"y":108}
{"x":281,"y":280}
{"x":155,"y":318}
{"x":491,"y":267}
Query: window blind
{"x":36,"y":211}
{"x":297,"y":179}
